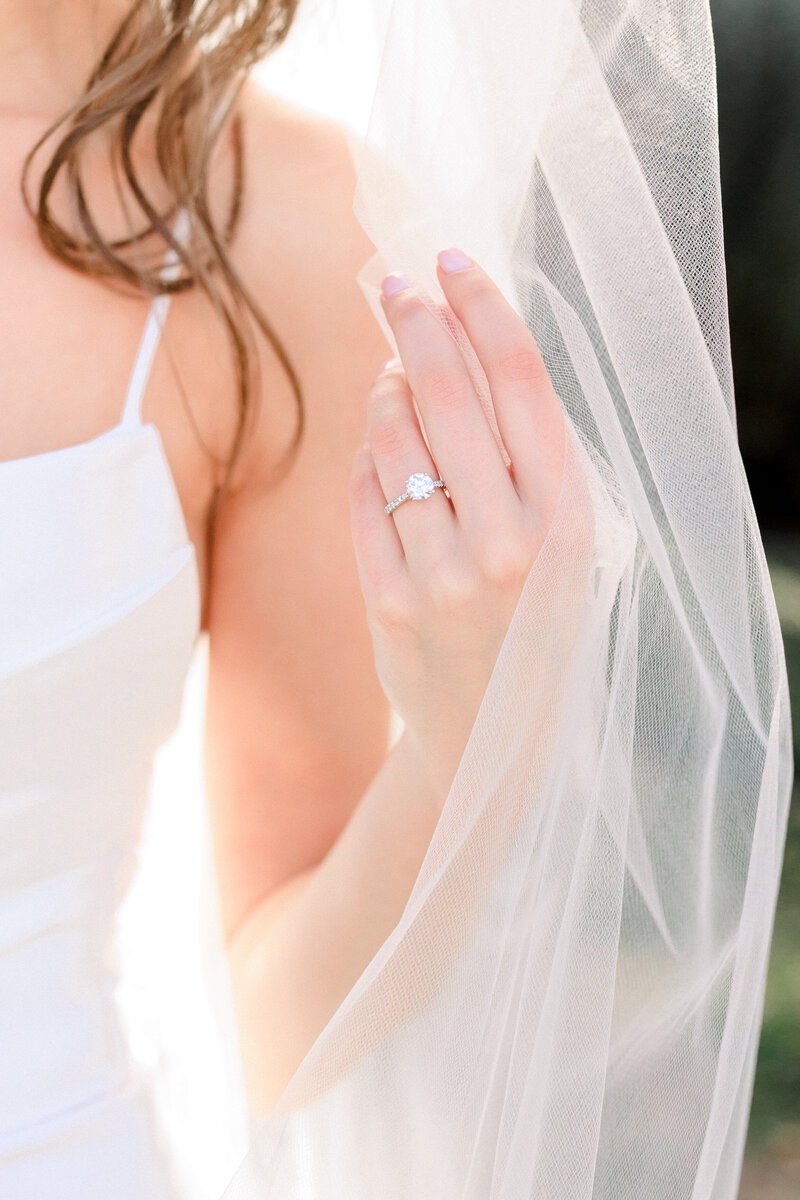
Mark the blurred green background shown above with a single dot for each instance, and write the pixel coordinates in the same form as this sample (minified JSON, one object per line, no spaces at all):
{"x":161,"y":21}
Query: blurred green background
{"x":772,"y":1164}
{"x":758,"y":71}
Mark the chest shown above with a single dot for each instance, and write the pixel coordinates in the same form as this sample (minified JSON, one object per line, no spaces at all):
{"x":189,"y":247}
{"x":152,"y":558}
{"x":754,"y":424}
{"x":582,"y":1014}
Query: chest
{"x":68,"y":344}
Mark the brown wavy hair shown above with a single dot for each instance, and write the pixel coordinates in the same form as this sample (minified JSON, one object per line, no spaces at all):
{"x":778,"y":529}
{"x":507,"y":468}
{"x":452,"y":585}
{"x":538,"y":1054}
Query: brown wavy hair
{"x":188,"y":58}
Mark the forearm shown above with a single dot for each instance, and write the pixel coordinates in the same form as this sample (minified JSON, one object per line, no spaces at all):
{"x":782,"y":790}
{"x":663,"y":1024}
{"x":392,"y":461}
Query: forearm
{"x":300,"y":951}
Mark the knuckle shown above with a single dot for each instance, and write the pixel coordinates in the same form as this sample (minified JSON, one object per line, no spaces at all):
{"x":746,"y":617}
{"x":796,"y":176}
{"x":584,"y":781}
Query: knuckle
{"x":379,"y":398}
{"x":448,"y":389}
{"x":387,"y":438}
{"x":522,"y":364}
{"x":451,"y":586}
{"x":392,"y":610}
{"x":475,"y":286}
{"x":391,"y":368}
{"x":388,"y":384}
{"x":505,"y":562}
{"x":405,"y":306}
{"x":361,"y":481}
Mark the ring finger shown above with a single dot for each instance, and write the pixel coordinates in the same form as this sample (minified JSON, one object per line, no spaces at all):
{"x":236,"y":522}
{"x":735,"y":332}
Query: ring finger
{"x":425,"y":528}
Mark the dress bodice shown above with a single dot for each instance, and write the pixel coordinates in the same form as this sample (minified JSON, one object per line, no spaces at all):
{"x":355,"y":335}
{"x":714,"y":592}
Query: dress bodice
{"x":99,"y":614}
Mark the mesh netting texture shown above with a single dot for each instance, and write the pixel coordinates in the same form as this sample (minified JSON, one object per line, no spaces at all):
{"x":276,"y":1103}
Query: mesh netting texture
{"x":569,"y":1007}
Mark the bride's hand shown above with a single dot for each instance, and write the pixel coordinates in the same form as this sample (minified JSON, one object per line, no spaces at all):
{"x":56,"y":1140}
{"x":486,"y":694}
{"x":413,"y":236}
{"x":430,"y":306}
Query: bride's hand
{"x":440,"y":578}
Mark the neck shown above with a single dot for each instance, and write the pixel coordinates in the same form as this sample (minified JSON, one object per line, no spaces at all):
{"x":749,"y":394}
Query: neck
{"x":48,"y":49}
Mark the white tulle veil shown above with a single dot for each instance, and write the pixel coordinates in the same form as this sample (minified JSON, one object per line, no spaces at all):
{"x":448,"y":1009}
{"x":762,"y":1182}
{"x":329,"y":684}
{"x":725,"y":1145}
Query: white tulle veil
{"x":569,"y":1007}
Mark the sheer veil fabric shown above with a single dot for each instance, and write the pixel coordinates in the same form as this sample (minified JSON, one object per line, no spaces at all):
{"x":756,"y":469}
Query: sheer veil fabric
{"x":569,"y":1007}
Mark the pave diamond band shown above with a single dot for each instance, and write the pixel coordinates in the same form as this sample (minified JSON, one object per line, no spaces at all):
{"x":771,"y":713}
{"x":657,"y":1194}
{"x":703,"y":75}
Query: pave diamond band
{"x":419,"y":486}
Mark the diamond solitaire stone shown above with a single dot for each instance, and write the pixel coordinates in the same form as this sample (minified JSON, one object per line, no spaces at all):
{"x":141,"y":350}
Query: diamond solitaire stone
{"x":419,"y":486}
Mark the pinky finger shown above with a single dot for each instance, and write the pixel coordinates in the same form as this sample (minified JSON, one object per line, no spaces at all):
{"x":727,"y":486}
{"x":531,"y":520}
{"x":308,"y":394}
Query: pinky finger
{"x":379,"y":551}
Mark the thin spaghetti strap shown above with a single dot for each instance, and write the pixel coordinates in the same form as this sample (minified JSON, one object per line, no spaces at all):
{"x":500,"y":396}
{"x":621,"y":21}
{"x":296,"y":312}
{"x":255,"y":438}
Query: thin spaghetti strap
{"x":152,"y":331}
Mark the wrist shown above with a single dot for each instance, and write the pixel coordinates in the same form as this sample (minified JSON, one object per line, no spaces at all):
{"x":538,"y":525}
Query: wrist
{"x":428,"y":764}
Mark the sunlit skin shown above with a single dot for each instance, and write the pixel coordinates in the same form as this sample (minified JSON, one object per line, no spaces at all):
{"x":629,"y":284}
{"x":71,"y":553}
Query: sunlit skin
{"x":322,"y":608}
{"x":441,"y":580}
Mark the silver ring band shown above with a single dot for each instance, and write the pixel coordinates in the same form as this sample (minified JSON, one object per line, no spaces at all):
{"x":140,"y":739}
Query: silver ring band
{"x":419,"y":486}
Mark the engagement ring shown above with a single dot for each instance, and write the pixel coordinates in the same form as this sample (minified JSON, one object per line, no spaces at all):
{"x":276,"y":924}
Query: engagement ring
{"x":418,"y":487}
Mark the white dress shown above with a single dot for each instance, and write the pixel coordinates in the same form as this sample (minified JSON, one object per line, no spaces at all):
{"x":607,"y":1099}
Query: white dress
{"x":99,"y":613}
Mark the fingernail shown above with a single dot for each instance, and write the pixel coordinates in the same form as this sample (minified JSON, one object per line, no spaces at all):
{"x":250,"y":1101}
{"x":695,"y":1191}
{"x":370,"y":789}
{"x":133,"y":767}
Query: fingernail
{"x":453,"y":260}
{"x":393,"y":284}
{"x":390,"y":364}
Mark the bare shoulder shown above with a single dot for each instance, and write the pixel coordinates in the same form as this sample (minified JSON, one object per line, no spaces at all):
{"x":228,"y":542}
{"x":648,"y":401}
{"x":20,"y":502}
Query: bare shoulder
{"x":300,"y":174}
{"x":299,"y":248}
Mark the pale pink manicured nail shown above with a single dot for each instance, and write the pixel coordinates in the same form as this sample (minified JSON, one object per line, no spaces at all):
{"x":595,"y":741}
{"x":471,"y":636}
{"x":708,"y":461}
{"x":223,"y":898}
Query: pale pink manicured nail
{"x":454,"y":260}
{"x":393,"y":284}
